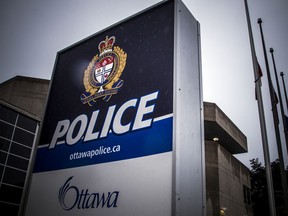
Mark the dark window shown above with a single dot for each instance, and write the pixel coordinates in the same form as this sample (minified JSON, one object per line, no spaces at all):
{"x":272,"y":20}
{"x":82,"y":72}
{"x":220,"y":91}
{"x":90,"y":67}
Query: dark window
{"x":26,"y":123}
{"x":16,"y":154}
{"x":14,"y":177}
{"x":20,"y":150}
{"x":1,"y":170}
{"x":23,"y":137}
{"x":247,"y":195}
{"x":6,"y":130}
{"x":7,"y":207}
{"x":10,"y":194}
{"x":4,"y":144}
{"x":17,"y":162}
{"x":3,"y":156}
{"x":7,"y":115}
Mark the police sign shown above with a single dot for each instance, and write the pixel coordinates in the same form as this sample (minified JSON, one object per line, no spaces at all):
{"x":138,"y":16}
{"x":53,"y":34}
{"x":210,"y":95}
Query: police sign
{"x":123,"y":120}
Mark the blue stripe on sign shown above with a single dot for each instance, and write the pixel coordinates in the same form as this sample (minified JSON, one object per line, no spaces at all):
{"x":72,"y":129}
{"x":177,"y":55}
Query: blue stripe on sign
{"x":153,"y":140}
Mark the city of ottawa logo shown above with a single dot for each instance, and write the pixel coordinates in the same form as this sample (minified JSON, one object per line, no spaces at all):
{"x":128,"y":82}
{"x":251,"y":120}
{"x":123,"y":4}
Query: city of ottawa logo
{"x":72,"y":197}
{"x":102,"y":76}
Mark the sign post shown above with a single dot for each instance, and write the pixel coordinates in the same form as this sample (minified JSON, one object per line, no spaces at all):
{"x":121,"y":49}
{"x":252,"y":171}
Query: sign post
{"x":123,"y":128}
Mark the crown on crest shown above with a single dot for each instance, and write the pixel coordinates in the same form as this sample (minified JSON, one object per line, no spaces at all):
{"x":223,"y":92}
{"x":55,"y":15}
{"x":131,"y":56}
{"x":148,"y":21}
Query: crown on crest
{"x":106,"y":45}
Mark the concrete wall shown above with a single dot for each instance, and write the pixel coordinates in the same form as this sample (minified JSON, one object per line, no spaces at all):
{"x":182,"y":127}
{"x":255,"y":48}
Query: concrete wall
{"x":212,"y":178}
{"x":29,"y":94}
{"x":225,"y":178}
{"x":217,"y":124}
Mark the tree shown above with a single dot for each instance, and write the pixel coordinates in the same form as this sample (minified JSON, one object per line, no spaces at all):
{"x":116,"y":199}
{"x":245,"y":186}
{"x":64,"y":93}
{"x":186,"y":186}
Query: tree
{"x":259,"y":194}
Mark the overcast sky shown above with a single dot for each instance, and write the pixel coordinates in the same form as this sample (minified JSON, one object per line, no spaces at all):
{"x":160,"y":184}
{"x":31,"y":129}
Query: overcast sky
{"x":33,"y":31}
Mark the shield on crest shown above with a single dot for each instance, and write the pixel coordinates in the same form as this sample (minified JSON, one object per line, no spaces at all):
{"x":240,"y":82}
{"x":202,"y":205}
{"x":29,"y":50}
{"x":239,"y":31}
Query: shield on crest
{"x":103,"y":69}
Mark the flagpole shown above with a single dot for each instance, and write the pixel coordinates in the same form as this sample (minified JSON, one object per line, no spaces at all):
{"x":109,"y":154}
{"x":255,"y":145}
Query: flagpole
{"x":262,"y":118}
{"x":282,"y":74}
{"x":274,"y":107}
{"x":280,"y":151}
{"x":280,"y":99}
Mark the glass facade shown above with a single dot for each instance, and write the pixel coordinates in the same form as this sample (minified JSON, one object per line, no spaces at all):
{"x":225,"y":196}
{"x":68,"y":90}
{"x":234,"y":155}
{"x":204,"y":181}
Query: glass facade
{"x":17,"y":135}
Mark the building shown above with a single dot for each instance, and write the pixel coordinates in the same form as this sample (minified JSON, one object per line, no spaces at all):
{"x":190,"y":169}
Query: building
{"x":22,"y":104}
{"x":227,"y":179}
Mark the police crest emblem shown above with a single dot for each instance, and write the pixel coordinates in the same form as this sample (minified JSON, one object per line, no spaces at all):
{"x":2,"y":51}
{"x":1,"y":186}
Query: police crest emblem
{"x":102,"y":76}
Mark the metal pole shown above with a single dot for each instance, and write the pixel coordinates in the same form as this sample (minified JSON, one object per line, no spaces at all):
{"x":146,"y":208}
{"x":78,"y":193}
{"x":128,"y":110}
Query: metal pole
{"x":279,"y":146}
{"x":280,"y":99}
{"x":282,"y":74}
{"x":266,"y":148}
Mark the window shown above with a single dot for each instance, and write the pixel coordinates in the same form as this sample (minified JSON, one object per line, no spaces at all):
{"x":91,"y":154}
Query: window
{"x":7,"y":115}
{"x":247,"y":195}
{"x":17,"y":135}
